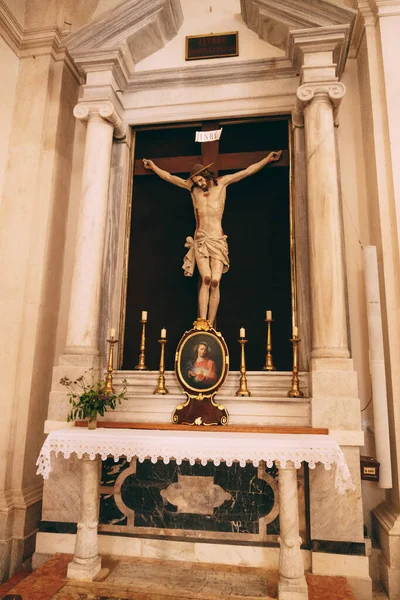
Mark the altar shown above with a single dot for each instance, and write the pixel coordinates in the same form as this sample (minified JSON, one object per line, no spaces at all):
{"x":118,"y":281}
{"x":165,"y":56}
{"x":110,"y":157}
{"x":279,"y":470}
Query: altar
{"x":130,"y":236}
{"x":287,"y":451}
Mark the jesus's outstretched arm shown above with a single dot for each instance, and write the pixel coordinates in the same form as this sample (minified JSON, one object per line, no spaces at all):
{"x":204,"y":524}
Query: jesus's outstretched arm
{"x":228,"y":179}
{"x":149,"y":164}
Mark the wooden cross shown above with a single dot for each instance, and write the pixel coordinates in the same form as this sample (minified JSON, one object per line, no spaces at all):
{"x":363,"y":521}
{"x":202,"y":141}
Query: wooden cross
{"x":234,"y":161}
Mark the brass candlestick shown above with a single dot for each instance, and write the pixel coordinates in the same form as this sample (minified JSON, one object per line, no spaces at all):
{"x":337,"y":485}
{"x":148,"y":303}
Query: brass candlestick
{"x":243,"y":391}
{"x":141,"y":364}
{"x":295,"y":392}
{"x":161,"y":389}
{"x":269,"y":363}
{"x":108,"y":388}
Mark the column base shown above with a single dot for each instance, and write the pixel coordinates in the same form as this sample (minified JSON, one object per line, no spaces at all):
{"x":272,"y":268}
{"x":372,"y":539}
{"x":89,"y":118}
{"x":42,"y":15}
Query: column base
{"x":292,"y":589}
{"x":18,"y":527}
{"x":390,"y":579}
{"x":85,"y":570}
{"x":386,"y":529}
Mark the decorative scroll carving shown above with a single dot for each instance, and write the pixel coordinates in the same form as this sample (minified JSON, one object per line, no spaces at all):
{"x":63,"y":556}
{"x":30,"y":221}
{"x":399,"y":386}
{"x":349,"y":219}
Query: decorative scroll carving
{"x":334,"y":92}
{"x":81,"y":112}
{"x":106,"y":110}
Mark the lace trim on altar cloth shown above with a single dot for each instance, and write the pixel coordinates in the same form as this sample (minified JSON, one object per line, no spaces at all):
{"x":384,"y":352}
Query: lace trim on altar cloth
{"x":195,"y":446}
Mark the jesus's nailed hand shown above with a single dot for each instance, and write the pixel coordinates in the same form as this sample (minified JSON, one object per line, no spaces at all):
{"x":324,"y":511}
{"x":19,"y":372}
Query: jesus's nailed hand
{"x":148,"y":164}
{"x":276,"y":155}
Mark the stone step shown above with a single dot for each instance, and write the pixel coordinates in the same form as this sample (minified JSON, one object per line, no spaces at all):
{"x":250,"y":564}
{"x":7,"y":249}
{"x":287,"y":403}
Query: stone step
{"x":149,"y":408}
{"x":186,"y":581}
{"x":262,"y":384}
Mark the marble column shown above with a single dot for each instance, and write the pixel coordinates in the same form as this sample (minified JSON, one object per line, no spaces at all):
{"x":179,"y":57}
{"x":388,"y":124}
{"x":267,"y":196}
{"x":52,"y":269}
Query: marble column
{"x":84,"y":311}
{"x":292,"y":582}
{"x":319,"y":102}
{"x":86,"y":563}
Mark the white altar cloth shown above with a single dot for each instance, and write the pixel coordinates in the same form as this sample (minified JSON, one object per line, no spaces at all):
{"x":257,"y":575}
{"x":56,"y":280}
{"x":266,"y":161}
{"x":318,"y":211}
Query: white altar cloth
{"x":216,"y":446}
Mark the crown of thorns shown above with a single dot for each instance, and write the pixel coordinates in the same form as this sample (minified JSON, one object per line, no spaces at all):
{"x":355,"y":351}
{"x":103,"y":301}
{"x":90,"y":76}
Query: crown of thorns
{"x":197,"y":170}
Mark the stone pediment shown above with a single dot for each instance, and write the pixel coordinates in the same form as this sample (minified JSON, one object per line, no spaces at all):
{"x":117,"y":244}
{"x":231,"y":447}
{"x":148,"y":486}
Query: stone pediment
{"x":119,"y":38}
{"x":125,"y":34}
{"x":273,"y":20}
{"x":290,"y":24}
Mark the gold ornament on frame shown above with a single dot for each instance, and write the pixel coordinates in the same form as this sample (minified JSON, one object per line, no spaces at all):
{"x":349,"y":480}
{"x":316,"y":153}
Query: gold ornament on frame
{"x":201,"y":366}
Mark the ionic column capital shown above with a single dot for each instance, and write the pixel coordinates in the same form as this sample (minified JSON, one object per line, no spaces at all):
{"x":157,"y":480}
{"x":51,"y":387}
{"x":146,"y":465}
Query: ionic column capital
{"x":106,"y":110}
{"x":331,"y":92}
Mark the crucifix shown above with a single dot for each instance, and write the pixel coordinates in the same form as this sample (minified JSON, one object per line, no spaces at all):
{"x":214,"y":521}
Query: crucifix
{"x":208,"y":247}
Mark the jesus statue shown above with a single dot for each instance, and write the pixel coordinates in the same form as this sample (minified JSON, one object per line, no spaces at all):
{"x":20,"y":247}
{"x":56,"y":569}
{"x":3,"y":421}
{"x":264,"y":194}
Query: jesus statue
{"x":208,"y":248}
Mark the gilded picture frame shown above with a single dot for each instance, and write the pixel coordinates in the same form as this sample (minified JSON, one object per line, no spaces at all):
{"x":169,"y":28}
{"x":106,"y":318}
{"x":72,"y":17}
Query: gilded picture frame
{"x":201,"y":362}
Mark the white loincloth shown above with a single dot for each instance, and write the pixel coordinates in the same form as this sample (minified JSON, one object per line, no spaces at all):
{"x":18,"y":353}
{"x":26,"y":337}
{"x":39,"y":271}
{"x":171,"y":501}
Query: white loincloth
{"x":205,"y":247}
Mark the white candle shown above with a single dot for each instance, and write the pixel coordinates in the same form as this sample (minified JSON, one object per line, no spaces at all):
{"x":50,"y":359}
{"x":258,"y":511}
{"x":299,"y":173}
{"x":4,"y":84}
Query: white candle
{"x":163,"y":333}
{"x":242,"y":332}
{"x":112,"y":332}
{"x":268,"y":315}
{"x":144,"y":315}
{"x":295,"y":331}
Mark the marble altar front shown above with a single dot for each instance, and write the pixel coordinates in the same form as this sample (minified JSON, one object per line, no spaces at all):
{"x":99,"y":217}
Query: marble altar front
{"x":286,"y":451}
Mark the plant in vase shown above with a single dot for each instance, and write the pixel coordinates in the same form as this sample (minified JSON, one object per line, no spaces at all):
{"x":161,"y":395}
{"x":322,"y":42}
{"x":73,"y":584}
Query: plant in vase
{"x":88,"y":397}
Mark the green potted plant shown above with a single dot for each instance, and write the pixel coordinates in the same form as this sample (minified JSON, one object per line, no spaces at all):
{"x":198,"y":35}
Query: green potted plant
{"x":88,"y":397}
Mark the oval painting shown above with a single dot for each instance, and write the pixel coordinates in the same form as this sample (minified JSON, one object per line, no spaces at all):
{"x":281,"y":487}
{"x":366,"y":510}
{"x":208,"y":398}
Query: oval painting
{"x":201,"y":362}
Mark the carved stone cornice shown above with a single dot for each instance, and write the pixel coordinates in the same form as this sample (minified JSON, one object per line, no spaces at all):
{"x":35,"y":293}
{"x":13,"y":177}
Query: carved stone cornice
{"x":212,"y":74}
{"x":124,"y":35}
{"x":34,"y":42}
{"x":294,"y":22}
{"x":115,"y":61}
{"x":369,"y":13}
{"x":333,"y":92}
{"x":273,"y":20}
{"x":358,"y":35}
{"x":44,"y":41}
{"x":106,"y":110}
{"x":10,"y":30}
{"x":41,"y":41}
{"x":319,"y":40}
{"x":385,"y":8}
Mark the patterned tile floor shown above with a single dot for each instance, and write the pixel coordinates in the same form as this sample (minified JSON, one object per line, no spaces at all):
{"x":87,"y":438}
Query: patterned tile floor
{"x":147,"y":579}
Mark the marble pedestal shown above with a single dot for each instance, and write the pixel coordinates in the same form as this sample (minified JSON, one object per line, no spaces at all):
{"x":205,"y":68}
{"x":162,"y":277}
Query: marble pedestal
{"x":386,"y":527}
{"x":292,"y":582}
{"x":87,"y":563}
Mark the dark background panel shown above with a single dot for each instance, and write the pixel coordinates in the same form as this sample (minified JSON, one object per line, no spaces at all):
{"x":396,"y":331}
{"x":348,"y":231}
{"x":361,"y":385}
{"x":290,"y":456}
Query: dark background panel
{"x":250,"y":136}
{"x":162,"y":218}
{"x":256,"y":221}
{"x":167,"y":142}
